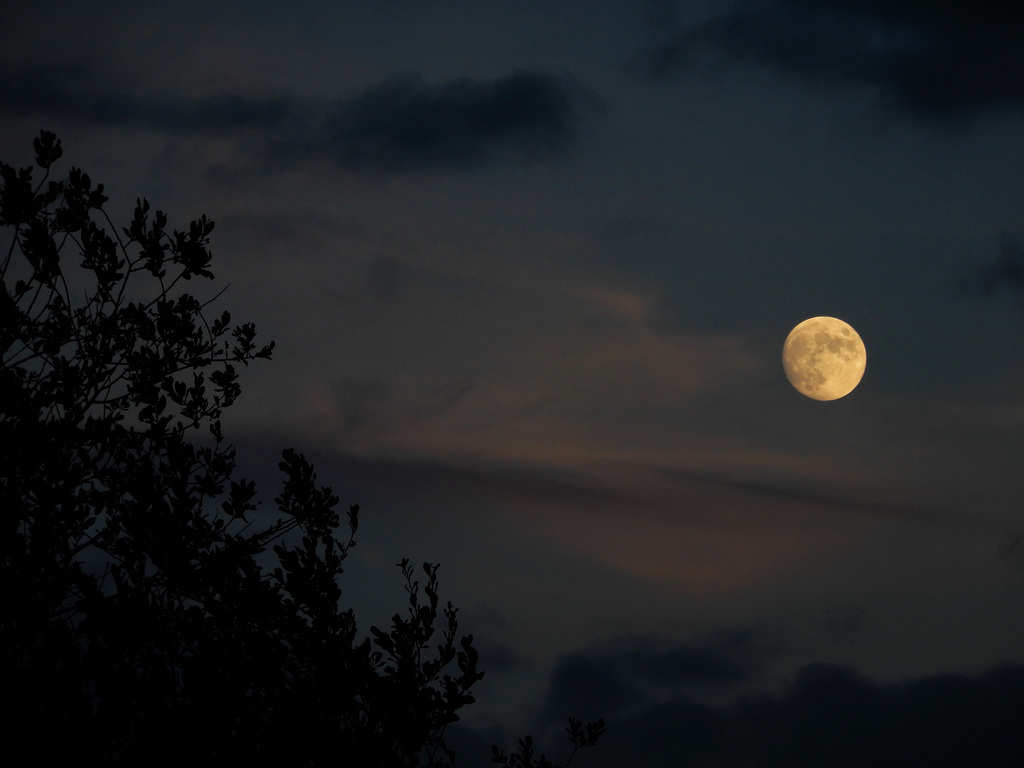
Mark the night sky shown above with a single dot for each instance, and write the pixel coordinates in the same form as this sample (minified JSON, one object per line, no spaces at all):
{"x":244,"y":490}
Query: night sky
{"x":529,"y":267}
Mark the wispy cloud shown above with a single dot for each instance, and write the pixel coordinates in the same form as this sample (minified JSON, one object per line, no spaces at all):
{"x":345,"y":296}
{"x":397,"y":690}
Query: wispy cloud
{"x":72,"y":90}
{"x":399,"y":125}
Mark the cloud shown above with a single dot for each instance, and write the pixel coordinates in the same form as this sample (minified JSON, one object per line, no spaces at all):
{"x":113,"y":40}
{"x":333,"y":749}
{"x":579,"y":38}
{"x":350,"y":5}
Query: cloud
{"x":1006,"y":271}
{"x":939,"y":61}
{"x":625,"y":676}
{"x":404,"y":124}
{"x":72,"y":90}
{"x":384,"y":276}
{"x":703,"y":538}
{"x":399,"y":125}
{"x":824,"y":715}
{"x":830,"y":713}
{"x":363,"y":404}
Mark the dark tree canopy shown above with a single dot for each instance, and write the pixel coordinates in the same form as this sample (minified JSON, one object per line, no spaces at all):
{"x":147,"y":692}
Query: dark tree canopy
{"x":151,"y":614}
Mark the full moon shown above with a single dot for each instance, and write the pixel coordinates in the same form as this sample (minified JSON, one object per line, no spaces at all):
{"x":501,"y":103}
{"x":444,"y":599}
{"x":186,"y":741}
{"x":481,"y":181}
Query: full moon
{"x":824,"y":358}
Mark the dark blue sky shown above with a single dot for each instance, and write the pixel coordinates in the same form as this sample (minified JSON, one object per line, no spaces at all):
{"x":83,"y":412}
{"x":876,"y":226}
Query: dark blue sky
{"x":529,"y":267}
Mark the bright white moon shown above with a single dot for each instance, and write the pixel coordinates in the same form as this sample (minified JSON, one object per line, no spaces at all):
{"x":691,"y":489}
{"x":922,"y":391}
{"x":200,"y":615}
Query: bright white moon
{"x":824,"y":358}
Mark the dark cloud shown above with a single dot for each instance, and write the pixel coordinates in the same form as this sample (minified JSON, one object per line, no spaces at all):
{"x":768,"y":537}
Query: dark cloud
{"x":825,"y":715}
{"x":937,"y":60}
{"x":840,"y":623}
{"x":405,"y":124}
{"x":500,"y":657}
{"x":401,"y":124}
{"x":72,"y":90}
{"x":586,"y":686}
{"x":628,"y":673}
{"x":833,"y":715}
{"x":383,"y":278}
{"x":364,"y":404}
{"x":1006,"y":271}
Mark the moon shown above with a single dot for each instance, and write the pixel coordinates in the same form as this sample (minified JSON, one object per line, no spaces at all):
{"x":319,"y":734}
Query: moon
{"x":824,"y":358}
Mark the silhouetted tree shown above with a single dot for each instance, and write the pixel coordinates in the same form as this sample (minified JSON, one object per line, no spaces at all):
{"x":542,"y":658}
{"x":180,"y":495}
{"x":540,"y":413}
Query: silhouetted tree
{"x":143,"y":620}
{"x":581,"y":737}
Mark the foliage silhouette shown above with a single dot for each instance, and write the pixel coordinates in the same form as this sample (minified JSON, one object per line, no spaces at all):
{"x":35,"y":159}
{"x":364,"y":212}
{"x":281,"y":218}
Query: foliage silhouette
{"x":580,"y":736}
{"x":142,"y":619}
